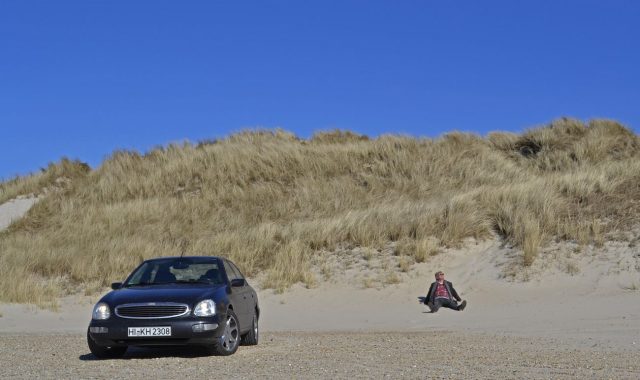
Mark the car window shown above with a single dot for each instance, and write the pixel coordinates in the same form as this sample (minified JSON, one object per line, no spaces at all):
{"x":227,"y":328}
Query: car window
{"x":170,"y":271}
{"x":198,"y":272}
{"x":231,"y":273}
{"x":237,"y":271}
{"x":137,"y":277}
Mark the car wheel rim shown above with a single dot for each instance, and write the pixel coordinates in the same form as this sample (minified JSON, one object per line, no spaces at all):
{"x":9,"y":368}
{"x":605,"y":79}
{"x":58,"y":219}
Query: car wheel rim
{"x":255,"y":327}
{"x":230,"y":337}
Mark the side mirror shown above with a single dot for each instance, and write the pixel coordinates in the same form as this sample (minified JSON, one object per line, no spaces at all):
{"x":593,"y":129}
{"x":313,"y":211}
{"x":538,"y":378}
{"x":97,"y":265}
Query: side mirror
{"x":116,"y":285}
{"x":238,"y":282}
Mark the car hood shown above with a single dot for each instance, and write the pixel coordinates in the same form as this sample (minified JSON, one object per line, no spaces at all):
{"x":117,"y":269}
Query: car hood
{"x":188,"y":294}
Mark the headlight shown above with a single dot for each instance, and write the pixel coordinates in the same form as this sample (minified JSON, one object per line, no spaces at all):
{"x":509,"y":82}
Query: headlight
{"x":101,"y":311}
{"x":205,"y":308}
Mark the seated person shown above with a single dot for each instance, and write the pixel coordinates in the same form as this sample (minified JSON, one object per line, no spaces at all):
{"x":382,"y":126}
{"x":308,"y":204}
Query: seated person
{"x":442,"y":294}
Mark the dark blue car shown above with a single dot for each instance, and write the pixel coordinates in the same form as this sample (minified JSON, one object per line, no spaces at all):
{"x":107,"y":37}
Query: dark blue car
{"x":203,"y":301}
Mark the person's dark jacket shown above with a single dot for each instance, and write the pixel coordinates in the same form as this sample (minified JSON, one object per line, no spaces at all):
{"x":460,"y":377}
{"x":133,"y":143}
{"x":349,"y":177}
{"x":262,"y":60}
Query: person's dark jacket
{"x":431,"y":295}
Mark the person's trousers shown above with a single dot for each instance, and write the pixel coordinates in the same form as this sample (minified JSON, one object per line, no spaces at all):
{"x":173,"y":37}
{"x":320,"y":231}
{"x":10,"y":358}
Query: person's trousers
{"x":443,"y":302}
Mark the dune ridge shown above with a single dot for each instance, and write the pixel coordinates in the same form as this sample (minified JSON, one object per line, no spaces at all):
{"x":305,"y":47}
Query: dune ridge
{"x":277,"y":204}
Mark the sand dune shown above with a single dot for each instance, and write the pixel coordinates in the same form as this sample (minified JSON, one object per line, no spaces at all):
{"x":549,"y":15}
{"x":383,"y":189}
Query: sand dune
{"x":573,"y":313}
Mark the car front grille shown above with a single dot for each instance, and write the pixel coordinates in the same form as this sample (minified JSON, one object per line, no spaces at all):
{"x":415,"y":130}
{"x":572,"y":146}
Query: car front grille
{"x":152,"y":310}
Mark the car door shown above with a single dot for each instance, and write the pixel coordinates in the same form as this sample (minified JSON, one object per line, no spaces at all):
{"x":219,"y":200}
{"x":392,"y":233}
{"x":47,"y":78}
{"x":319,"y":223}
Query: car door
{"x":247,"y":292}
{"x":238,"y":296}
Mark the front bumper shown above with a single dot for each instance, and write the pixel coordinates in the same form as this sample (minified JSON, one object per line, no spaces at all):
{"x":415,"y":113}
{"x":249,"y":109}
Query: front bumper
{"x":183,"y":331}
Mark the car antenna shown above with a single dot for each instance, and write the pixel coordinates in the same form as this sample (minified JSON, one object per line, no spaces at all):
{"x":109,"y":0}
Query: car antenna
{"x":183,"y":246}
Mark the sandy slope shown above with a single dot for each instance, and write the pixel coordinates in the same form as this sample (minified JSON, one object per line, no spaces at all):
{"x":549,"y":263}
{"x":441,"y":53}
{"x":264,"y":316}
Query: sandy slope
{"x":555,"y":324}
{"x":593,"y":307}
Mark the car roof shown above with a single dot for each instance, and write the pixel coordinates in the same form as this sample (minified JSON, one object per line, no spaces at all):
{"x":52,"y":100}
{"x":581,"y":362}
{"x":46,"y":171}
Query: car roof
{"x":186,"y":257}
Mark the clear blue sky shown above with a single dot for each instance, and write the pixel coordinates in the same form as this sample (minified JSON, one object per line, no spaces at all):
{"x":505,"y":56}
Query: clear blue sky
{"x":83,"y":78}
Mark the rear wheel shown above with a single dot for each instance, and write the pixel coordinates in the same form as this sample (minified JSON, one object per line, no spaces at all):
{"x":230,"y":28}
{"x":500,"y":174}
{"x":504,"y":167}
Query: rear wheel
{"x":105,"y":352}
{"x":251,"y":338}
{"x":229,"y":341}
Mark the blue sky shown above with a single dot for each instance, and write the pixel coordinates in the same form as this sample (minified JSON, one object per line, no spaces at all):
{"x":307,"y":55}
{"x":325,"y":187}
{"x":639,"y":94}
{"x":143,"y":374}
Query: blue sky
{"x":83,"y":78}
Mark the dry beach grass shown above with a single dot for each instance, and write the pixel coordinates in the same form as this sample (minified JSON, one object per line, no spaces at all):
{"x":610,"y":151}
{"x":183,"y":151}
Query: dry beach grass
{"x":273,"y":202}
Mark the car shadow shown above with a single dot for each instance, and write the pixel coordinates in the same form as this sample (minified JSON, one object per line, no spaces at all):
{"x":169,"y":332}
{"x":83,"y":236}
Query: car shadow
{"x":154,"y":353}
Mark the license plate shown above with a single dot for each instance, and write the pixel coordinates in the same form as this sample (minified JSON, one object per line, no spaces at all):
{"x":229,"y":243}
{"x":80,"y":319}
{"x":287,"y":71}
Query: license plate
{"x":149,"y":331}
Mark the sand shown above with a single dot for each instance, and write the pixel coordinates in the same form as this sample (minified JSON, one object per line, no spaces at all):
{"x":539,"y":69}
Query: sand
{"x":14,"y":209}
{"x":308,"y":355}
{"x":597,"y":306}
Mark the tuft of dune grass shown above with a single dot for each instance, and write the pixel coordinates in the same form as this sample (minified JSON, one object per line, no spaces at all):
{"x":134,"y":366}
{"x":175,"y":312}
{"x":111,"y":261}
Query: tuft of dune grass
{"x":270,"y":201}
{"x":54,"y":177}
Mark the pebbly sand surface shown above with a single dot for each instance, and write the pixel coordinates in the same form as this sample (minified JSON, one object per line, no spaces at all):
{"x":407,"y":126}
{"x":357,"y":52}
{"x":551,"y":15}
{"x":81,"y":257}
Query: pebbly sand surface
{"x":559,"y":323}
{"x":313,"y":355}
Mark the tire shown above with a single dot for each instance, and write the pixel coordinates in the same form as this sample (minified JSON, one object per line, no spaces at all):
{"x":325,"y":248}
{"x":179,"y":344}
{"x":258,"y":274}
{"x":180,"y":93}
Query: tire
{"x":228,"y":342}
{"x":251,"y":338}
{"x":104,"y":352}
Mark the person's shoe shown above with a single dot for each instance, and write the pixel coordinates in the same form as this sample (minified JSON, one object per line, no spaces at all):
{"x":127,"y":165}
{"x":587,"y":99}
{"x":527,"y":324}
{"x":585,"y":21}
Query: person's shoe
{"x":462,"y":305}
{"x":431,"y":308}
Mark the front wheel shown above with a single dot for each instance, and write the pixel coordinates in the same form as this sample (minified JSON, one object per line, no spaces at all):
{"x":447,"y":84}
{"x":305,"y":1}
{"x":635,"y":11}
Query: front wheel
{"x":228,"y":342}
{"x":251,"y":338}
{"x":104,"y":352}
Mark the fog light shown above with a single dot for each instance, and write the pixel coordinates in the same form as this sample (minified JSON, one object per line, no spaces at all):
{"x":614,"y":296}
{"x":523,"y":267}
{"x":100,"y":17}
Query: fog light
{"x":99,"y":330}
{"x":204,"y":327}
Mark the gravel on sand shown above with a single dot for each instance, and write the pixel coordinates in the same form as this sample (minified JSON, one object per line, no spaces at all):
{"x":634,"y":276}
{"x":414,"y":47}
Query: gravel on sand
{"x":419,"y":355}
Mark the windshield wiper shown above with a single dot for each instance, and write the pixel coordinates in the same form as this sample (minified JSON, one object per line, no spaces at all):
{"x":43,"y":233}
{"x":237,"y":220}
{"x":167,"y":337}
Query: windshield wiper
{"x":191,"y":282}
{"x":169,"y":282}
{"x":143,"y":283}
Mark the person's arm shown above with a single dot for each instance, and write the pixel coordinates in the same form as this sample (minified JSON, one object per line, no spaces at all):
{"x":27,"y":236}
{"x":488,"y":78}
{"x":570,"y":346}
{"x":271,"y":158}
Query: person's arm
{"x":428,"y":297}
{"x":454,"y":293}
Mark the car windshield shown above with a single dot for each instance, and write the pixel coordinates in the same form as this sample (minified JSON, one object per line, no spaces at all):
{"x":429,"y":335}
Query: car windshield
{"x":177,"y":270}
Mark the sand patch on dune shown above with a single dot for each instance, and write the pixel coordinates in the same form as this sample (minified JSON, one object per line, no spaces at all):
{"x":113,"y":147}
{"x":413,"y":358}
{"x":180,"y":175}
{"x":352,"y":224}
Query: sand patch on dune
{"x":15,"y":209}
